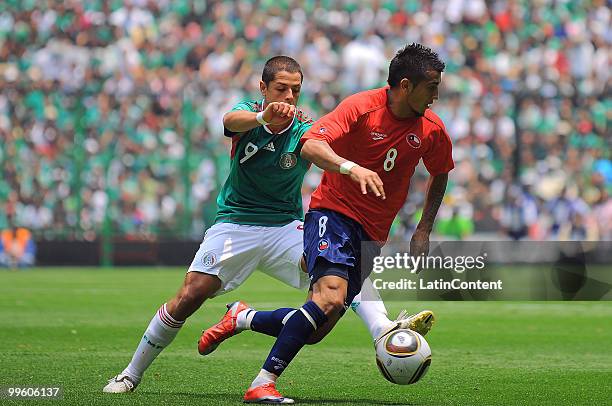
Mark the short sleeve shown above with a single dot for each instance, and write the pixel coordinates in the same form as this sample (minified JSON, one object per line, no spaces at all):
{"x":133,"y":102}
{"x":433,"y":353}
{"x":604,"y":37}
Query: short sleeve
{"x":303,"y":129}
{"x":439,"y":158}
{"x":335,"y":124}
{"x":242,"y":106}
{"x":246,"y":106}
{"x":300,"y":131}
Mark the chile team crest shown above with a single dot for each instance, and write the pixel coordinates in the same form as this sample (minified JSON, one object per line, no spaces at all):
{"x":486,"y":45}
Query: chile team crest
{"x":323,"y":244}
{"x":413,"y":140}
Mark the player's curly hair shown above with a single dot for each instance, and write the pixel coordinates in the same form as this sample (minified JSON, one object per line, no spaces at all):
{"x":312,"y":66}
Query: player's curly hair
{"x":278,"y":64}
{"x":411,"y":62}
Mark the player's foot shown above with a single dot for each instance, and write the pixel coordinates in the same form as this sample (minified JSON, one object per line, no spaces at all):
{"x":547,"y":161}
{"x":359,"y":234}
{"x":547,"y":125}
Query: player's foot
{"x":224,"y":329}
{"x":266,"y":393}
{"x":420,"y":322}
{"x":120,"y":384}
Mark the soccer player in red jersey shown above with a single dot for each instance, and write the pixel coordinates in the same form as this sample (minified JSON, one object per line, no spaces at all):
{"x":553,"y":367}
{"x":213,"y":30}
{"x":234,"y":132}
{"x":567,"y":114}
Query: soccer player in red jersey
{"x":371,"y":142}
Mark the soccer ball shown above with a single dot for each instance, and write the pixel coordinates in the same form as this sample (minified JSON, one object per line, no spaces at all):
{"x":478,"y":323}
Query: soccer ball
{"x":403,"y":356}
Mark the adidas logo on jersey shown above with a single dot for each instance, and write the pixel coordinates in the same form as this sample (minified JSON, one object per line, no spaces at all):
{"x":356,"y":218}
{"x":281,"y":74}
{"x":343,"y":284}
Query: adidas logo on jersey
{"x":269,"y":147}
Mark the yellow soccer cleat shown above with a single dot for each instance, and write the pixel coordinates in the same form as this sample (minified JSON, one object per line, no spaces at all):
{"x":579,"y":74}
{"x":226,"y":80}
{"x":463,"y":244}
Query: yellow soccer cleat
{"x":420,"y":322}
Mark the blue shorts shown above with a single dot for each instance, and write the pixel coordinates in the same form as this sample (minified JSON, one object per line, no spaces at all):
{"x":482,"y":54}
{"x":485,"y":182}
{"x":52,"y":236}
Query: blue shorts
{"x":333,"y":246}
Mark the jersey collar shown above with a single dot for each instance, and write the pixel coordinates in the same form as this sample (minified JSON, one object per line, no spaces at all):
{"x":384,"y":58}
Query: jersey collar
{"x":285,"y":129}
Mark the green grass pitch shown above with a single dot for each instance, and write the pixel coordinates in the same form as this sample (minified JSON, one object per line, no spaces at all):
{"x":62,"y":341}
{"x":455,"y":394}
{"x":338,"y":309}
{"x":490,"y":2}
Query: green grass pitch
{"x":78,"y":327}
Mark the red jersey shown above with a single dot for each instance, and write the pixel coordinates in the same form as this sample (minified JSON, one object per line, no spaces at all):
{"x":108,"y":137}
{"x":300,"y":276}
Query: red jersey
{"x":364,"y":130}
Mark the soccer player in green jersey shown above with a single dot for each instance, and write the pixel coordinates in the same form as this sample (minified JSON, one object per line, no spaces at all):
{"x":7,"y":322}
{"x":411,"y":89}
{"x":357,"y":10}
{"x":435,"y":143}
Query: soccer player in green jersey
{"x":259,"y":222}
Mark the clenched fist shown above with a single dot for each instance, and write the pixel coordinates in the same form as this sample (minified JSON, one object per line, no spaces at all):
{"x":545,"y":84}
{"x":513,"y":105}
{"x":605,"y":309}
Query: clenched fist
{"x":278,"y":112}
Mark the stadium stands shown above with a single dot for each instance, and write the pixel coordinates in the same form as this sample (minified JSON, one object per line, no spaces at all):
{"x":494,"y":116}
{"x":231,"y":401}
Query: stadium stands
{"x":110,"y":112}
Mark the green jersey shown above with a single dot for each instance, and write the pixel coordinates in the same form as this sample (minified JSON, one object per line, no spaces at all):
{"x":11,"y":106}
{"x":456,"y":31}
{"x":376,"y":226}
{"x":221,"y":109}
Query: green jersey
{"x":266,"y":174}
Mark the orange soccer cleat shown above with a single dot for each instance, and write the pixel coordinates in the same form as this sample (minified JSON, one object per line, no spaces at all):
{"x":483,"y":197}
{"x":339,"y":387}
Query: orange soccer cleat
{"x":224,"y":329}
{"x":266,"y":393}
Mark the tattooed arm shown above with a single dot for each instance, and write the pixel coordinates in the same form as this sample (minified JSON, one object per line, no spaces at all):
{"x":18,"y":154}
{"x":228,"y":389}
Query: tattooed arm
{"x":419,"y":244}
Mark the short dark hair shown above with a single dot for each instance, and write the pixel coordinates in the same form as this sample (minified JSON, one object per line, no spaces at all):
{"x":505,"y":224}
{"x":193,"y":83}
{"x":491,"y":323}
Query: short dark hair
{"x":411,"y":62}
{"x":278,"y":64}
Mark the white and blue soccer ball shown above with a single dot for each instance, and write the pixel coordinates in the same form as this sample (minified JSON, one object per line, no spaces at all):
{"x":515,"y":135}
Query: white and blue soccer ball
{"x":403,"y":356}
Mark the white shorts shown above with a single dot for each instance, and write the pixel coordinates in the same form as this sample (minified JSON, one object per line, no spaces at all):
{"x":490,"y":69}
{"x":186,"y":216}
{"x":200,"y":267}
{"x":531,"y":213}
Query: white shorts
{"x":234,"y":251}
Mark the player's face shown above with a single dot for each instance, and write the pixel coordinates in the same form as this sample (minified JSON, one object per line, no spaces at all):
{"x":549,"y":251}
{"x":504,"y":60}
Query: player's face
{"x":424,"y":93}
{"x":285,"y":87}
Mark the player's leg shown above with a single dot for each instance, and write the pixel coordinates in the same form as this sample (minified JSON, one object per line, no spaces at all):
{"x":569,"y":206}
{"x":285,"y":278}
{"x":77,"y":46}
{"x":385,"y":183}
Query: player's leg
{"x":218,"y":267}
{"x":328,"y":298}
{"x":163,"y":328}
{"x":284,"y":248}
{"x":329,"y":254}
{"x":320,"y":333}
{"x":328,"y":301}
{"x":284,"y":261}
{"x":272,"y":322}
{"x":370,"y":308}
{"x":367,"y":305}
{"x":281,"y":249}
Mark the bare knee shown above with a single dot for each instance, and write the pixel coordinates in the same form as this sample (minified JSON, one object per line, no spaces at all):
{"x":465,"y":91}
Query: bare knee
{"x":191,"y":296}
{"x":333,"y":306}
{"x":329,"y":293}
{"x":195,"y":290}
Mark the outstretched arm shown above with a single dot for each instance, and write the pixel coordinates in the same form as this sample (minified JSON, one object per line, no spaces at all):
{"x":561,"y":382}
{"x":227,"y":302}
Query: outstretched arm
{"x":275,"y":113}
{"x":419,"y":244}
{"x":322,"y":155}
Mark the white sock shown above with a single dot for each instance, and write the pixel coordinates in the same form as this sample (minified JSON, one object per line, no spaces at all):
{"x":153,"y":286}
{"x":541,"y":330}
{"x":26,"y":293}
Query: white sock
{"x":263,"y":378}
{"x":161,"y":331}
{"x":370,"y":308}
{"x":244,"y":319}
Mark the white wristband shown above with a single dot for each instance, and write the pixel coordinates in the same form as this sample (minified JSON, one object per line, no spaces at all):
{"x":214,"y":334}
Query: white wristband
{"x":345,"y":167}
{"x":260,"y":119}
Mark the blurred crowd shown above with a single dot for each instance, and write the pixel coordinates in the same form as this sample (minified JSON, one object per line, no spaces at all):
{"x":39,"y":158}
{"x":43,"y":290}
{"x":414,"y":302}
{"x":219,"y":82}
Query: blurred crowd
{"x":110,"y":111}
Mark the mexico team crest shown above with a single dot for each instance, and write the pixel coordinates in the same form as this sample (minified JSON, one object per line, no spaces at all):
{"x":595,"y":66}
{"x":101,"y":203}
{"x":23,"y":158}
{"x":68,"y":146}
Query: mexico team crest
{"x":287,"y":160}
{"x":413,"y":140}
{"x":209,"y":259}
